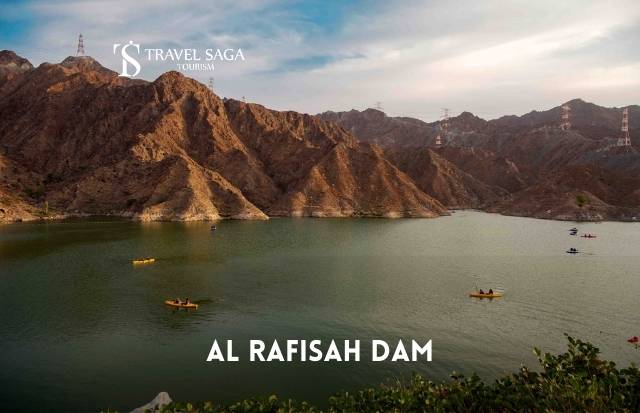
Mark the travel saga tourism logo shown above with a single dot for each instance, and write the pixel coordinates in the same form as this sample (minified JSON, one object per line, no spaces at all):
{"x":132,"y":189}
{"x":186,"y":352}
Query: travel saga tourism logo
{"x":127,"y":59}
{"x":189,"y":59}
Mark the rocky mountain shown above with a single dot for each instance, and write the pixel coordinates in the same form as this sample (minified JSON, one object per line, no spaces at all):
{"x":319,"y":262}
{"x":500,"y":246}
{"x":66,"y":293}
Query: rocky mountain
{"x":582,"y":192}
{"x":527,"y":164}
{"x":443,"y":179}
{"x":11,"y":66}
{"x":487,"y":167}
{"x":588,"y":120}
{"x":77,"y":139}
{"x":374,"y":126}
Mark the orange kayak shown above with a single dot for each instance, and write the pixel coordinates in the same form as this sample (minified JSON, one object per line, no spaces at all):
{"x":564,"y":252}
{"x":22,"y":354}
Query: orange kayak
{"x":173,"y":303}
{"x":144,"y":261}
{"x":485,"y":295}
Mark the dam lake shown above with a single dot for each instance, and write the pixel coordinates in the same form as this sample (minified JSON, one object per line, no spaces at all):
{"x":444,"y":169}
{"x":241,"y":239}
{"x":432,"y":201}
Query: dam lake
{"x":82,"y":329}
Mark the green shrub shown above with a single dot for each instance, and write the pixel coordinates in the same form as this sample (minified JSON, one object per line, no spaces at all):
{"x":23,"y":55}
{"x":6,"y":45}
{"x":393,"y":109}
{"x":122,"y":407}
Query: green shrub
{"x":575,"y":381}
{"x":582,"y":200}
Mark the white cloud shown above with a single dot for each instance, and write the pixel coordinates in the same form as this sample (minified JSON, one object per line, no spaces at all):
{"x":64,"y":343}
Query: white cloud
{"x":489,"y":57}
{"x":604,"y":78}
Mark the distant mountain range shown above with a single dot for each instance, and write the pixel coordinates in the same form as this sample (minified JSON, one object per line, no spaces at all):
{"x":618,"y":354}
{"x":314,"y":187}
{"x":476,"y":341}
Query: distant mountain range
{"x":76,"y":139}
{"x":516,"y":165}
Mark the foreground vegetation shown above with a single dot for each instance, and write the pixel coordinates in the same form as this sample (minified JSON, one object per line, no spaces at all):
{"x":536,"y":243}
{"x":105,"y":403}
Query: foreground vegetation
{"x":576,"y":381}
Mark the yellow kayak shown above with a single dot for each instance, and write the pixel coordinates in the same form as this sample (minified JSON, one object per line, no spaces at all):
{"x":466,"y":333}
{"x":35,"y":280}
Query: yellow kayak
{"x":485,"y":295}
{"x":173,"y":303}
{"x":144,"y":261}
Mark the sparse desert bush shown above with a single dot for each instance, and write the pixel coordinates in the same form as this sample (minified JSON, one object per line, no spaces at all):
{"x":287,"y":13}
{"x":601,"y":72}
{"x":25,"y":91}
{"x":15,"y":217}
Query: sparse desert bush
{"x":582,"y":200}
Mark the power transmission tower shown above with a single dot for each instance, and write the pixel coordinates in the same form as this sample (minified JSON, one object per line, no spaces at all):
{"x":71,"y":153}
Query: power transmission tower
{"x":444,"y":127}
{"x":445,"y":116}
{"x":378,"y":106}
{"x":210,"y":84}
{"x":625,"y":139}
{"x":438,"y":141}
{"x":565,"y":124}
{"x":80,"y":51}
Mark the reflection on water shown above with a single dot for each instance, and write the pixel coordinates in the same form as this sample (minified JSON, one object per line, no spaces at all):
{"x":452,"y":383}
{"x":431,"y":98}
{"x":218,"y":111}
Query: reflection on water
{"x":83,"y":329}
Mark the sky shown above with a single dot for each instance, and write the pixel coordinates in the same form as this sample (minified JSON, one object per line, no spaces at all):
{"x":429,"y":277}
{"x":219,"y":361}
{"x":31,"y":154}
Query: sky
{"x":491,"y":58}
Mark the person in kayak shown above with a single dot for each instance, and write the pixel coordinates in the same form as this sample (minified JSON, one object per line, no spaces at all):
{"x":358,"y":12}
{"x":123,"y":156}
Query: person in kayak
{"x":481,"y":292}
{"x":490,"y":291}
{"x":186,"y":301}
{"x":177,"y":301}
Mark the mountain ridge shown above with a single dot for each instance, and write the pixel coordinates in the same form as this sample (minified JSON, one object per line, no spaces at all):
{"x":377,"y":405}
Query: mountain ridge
{"x":520,"y":154}
{"x":95,"y":143}
{"x":77,"y":139}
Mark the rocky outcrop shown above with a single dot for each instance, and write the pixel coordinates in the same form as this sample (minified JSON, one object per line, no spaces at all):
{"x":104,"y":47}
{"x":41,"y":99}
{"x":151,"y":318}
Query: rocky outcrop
{"x":14,"y":209}
{"x":584,"y":193}
{"x":374,"y":126}
{"x":356,"y":183}
{"x":15,"y":182}
{"x":321,"y":170}
{"x":444,"y":180}
{"x":487,"y":167}
{"x":11,"y":67}
{"x":161,"y":399}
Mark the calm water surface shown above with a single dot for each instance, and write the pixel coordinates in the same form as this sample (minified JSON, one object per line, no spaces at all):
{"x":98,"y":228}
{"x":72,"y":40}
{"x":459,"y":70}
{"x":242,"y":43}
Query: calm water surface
{"x":82,"y":329}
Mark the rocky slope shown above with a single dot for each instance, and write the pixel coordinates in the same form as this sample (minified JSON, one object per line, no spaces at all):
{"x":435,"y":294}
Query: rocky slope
{"x":11,"y":66}
{"x":13,"y":205}
{"x":585,"y":193}
{"x":81,"y":140}
{"x":373,"y":126}
{"x":516,"y":165}
{"x":77,"y":139}
{"x":445,"y":181}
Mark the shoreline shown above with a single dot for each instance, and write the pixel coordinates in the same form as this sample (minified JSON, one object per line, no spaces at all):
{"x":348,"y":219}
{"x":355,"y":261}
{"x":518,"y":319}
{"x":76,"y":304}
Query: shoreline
{"x":61,"y":218}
